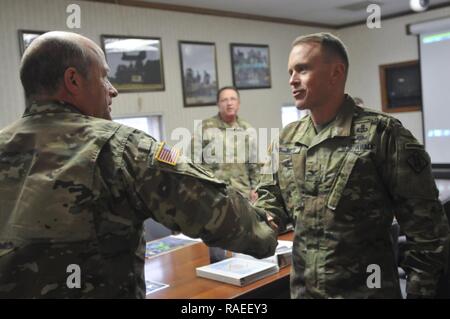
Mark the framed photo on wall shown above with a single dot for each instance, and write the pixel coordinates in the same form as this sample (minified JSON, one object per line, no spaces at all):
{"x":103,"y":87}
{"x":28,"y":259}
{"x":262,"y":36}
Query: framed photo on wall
{"x":401,"y":88}
{"x":136,"y":63}
{"x":198,"y":73}
{"x":26,"y":37}
{"x":251,"y":66}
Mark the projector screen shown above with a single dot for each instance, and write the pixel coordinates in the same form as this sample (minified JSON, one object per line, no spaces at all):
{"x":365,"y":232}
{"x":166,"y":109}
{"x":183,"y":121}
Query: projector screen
{"x":435,"y":69}
{"x":434,"y":38}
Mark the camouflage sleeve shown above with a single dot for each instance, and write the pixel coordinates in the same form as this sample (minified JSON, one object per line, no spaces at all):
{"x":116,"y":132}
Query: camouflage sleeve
{"x":269,"y":193}
{"x":408,"y":176}
{"x":253,"y":173}
{"x":185,"y":197}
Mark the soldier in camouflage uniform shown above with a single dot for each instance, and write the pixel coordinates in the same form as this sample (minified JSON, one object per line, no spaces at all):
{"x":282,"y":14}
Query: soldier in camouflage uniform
{"x":226,"y":144}
{"x":75,"y":187}
{"x":343,"y":173}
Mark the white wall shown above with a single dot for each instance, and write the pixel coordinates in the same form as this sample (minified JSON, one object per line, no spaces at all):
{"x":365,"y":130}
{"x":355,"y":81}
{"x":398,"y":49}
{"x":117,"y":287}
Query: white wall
{"x":370,"y":48}
{"x":261,"y":107}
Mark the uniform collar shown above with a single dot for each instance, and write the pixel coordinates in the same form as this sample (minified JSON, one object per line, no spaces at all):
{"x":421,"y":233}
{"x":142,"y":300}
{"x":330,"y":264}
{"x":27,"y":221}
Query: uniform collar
{"x":226,"y":125}
{"x":49,"y":107}
{"x":340,"y":126}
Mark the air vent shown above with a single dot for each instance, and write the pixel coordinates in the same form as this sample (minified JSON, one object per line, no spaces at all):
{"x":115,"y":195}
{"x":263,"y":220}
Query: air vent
{"x":359,"y":6}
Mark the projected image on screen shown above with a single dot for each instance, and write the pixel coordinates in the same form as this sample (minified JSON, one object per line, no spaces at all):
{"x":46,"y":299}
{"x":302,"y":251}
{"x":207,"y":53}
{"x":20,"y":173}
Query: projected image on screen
{"x":435,"y":69}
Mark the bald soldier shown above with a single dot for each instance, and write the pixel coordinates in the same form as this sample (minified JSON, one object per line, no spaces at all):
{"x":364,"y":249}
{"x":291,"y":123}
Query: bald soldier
{"x":225,"y":145}
{"x":344,"y":172}
{"x":75,"y":187}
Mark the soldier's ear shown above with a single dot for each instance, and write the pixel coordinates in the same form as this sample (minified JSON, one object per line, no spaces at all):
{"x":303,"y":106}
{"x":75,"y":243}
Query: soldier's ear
{"x":338,"y":72}
{"x":72,"y":81}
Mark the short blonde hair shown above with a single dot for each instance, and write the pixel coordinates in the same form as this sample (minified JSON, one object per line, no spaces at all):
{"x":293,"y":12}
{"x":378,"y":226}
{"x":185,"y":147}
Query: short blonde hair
{"x":331,"y":44}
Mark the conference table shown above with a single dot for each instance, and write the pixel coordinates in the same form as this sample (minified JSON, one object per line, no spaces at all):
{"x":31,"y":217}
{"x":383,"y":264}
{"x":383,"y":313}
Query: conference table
{"x":177,"y":270}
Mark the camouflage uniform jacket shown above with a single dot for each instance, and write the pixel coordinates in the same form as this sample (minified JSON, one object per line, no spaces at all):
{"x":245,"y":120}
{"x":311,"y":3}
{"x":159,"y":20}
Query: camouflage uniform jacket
{"x":76,"y":189}
{"x":342,"y":188}
{"x":239,"y":168}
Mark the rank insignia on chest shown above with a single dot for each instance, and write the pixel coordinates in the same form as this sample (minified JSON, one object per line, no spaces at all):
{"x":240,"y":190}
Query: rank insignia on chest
{"x":167,"y":154}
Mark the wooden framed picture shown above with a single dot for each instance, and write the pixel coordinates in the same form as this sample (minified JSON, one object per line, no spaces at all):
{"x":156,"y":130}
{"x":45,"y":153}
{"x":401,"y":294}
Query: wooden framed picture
{"x":198,"y":73}
{"x":136,"y":63}
{"x":26,"y":37}
{"x":401,"y":88}
{"x":251,"y":66}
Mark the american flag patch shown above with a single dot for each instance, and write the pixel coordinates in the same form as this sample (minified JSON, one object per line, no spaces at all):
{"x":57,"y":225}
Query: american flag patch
{"x":167,"y":154}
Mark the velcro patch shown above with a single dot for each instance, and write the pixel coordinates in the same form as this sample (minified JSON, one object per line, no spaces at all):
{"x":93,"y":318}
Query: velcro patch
{"x":417,"y":162}
{"x":167,"y":154}
{"x":143,"y":148}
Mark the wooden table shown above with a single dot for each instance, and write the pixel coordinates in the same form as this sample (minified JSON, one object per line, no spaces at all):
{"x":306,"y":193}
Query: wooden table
{"x":177,"y":269}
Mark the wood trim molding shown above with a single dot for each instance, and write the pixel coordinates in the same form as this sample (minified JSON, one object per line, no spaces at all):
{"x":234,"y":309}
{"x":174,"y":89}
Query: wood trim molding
{"x":213,"y":12}
{"x":237,"y":15}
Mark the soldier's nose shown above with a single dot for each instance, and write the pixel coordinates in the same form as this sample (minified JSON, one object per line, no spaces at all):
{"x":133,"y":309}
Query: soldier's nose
{"x":293,"y":80}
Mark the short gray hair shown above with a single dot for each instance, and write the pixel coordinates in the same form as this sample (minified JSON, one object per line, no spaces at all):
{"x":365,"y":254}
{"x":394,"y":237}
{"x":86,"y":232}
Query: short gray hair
{"x":43,"y":65}
{"x":331,"y":44}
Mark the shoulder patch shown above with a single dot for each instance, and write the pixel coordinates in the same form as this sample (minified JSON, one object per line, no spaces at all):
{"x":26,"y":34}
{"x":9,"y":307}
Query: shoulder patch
{"x":167,"y":154}
{"x":417,"y":162}
{"x":144,"y":144}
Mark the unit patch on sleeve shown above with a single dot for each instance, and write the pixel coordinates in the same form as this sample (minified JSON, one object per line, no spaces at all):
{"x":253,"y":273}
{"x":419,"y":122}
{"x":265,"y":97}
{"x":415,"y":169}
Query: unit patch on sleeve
{"x":417,"y":162}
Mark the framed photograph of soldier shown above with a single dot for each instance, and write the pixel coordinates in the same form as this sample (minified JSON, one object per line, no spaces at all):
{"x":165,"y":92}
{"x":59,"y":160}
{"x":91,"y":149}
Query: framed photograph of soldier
{"x":198,"y":73}
{"x":401,"y":89}
{"x":136,"y":63}
{"x":251,"y":66}
{"x":26,"y":37}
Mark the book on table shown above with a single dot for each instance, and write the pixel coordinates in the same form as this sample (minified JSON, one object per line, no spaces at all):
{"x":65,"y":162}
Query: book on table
{"x":282,"y":256}
{"x":167,"y":244}
{"x":237,"y":271}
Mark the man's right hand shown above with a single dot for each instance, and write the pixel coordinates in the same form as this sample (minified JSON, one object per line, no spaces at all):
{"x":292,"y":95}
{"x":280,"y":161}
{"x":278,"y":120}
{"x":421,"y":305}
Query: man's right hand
{"x":271,"y":222}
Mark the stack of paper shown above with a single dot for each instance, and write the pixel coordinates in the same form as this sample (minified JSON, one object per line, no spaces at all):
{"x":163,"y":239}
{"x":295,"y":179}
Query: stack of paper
{"x":282,"y":256}
{"x":237,"y":271}
{"x":167,"y":244}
